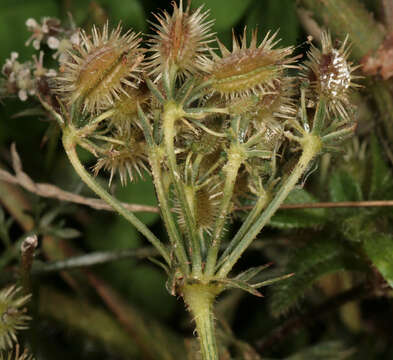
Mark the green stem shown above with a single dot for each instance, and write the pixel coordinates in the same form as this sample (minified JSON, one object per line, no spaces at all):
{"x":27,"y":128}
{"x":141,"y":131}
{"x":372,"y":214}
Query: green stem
{"x":171,"y":114}
{"x":256,"y":210}
{"x":69,"y":142}
{"x":311,"y":147}
{"x":173,"y":233}
{"x":200,"y":299}
{"x":319,"y":117}
{"x":235,"y":159}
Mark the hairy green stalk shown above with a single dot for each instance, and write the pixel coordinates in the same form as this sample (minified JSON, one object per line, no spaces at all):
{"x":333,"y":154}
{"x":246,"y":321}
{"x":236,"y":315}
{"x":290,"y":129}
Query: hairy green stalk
{"x":200,"y":300}
{"x":311,"y":147}
{"x":173,"y":233}
{"x":70,"y":139}
{"x":172,"y":113}
{"x":235,"y":159}
{"x":256,"y":210}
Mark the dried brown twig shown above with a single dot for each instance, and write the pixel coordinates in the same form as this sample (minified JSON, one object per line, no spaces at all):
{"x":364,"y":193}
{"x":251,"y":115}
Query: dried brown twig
{"x":50,"y":191}
{"x":330,"y":205}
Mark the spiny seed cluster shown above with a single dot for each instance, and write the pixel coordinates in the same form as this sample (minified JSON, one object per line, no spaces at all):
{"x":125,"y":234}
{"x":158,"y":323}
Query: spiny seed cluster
{"x":120,"y":87}
{"x":330,"y":74}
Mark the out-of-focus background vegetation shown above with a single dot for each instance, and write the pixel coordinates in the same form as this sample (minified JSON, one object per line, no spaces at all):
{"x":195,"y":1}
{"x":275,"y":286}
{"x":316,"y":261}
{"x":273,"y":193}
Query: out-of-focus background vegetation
{"x":122,"y":310}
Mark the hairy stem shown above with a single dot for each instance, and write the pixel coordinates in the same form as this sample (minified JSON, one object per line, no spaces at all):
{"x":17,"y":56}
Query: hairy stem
{"x":231,"y":170}
{"x":69,"y":142}
{"x":171,"y":114}
{"x":256,"y":210}
{"x":311,"y":147}
{"x":174,"y":235}
{"x":200,"y":299}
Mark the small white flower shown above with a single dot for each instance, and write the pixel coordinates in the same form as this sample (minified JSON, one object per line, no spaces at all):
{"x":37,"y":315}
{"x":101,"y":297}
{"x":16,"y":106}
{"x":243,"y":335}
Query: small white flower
{"x":36,"y":44}
{"x":53,"y":42}
{"x":22,"y":94}
{"x":14,"y":56}
{"x":51,"y":73}
{"x":31,"y":23}
{"x":75,"y":39}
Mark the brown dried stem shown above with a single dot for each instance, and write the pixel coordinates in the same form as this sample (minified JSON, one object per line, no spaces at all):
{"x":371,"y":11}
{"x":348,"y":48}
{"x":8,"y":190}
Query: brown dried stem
{"x":51,"y":191}
{"x":330,"y":205}
{"x":27,"y":250}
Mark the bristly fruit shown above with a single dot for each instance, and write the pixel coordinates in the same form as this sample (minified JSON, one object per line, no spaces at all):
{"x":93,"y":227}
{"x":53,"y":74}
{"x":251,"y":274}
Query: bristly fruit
{"x":16,"y":355}
{"x":101,"y":68}
{"x":125,"y":109}
{"x":125,"y":155}
{"x":12,"y":315}
{"x":330,"y":75}
{"x":204,"y":202}
{"x":181,"y":40}
{"x":248,"y":70}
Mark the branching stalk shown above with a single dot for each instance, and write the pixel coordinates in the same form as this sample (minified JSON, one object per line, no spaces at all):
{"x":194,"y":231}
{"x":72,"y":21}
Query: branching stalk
{"x":69,"y":142}
{"x":173,"y":233}
{"x":170,"y":115}
{"x":256,"y":210}
{"x":231,"y":171}
{"x":311,"y":147}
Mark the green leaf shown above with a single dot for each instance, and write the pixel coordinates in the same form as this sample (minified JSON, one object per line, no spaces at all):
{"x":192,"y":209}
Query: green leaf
{"x":329,"y":350}
{"x":343,"y":187}
{"x":379,"y":248}
{"x":309,"y":263}
{"x":299,"y":218}
{"x":226,"y":12}
{"x":249,"y":274}
{"x":357,"y":226}
{"x":64,"y":233}
{"x":381,"y":175}
{"x":271,"y":281}
{"x":237,"y":284}
{"x":34,"y":111}
{"x":50,"y":216}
